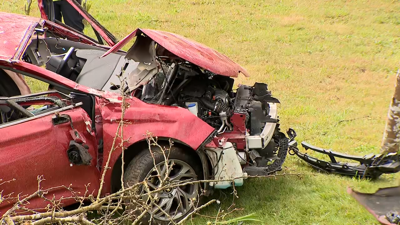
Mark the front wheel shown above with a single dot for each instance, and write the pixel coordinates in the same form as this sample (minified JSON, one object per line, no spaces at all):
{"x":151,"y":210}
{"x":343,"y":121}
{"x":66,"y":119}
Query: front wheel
{"x":160,"y":171}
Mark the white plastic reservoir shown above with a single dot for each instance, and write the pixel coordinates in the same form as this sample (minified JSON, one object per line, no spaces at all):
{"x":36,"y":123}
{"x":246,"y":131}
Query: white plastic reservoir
{"x":192,"y":106}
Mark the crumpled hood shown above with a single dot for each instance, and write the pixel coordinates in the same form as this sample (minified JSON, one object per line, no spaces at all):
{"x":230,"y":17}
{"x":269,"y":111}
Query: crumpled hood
{"x":188,"y":50}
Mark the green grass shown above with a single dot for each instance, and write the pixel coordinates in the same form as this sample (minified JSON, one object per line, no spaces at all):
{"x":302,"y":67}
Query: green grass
{"x":327,"y":61}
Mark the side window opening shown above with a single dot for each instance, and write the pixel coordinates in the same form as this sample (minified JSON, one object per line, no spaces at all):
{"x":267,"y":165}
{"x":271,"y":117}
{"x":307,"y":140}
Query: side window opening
{"x":25,"y":107}
{"x":23,"y":98}
{"x":19,"y":104}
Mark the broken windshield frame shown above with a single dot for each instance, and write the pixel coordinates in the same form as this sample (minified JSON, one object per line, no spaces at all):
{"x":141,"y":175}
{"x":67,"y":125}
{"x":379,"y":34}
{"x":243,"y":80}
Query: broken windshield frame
{"x":102,"y":34}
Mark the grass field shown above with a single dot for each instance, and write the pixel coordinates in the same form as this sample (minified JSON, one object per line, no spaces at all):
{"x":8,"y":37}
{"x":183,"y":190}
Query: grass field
{"x":327,"y":61}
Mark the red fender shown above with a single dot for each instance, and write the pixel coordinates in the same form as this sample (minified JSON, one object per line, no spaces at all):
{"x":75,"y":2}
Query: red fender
{"x":140,"y":118}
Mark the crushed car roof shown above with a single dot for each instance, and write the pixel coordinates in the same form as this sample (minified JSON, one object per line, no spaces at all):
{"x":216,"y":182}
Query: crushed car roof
{"x":13,"y":31}
{"x":189,"y":50}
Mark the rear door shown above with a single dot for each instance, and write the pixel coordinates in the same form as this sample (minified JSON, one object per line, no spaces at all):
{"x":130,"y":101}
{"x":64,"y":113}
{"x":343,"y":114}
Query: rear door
{"x":34,"y":147}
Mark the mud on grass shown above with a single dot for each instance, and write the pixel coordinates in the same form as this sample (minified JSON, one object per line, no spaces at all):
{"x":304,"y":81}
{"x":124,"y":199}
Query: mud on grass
{"x":327,"y":61}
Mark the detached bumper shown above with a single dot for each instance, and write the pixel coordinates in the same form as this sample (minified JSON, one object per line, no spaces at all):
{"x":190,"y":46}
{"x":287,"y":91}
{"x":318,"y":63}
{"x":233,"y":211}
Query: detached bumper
{"x":368,"y":166}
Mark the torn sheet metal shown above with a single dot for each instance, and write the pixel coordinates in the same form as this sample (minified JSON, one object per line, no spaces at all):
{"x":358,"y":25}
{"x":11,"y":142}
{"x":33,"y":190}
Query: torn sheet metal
{"x":144,"y":52}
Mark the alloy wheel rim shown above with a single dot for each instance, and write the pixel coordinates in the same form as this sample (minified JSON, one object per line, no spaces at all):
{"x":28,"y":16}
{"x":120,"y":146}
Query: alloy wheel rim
{"x":174,"y":203}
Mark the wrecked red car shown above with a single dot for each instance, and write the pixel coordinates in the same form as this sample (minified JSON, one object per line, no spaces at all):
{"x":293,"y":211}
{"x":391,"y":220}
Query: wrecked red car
{"x":176,"y":88}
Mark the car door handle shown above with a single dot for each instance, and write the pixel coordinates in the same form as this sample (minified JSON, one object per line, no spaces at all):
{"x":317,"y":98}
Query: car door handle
{"x":60,"y":119}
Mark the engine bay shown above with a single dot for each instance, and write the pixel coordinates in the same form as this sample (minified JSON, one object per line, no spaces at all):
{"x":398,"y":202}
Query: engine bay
{"x":209,"y":96}
{"x":156,"y":76}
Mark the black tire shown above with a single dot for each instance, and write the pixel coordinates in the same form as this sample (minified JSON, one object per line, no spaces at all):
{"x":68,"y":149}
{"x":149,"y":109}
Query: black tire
{"x":142,"y":167}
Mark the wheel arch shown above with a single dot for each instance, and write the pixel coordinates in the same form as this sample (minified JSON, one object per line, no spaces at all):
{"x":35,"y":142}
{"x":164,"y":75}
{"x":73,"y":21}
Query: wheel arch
{"x":136,"y":148}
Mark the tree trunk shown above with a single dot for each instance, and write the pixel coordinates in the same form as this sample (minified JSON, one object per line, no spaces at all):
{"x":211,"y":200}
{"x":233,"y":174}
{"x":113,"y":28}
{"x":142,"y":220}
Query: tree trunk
{"x":391,"y":135}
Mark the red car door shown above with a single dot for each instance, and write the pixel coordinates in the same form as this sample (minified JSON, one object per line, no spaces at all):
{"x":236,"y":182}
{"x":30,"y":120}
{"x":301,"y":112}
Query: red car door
{"x":38,"y":148}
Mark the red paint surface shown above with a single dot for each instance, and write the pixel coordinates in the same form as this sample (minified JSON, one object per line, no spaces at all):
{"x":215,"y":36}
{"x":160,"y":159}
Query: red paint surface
{"x":189,"y":50}
{"x":162,"y":121}
{"x":13,"y":29}
{"x":238,"y":121}
{"x":41,"y":150}
{"x":236,"y":136}
{"x":41,"y":10}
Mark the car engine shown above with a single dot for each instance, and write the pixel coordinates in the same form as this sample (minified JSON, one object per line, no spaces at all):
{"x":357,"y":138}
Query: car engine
{"x":209,"y":96}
